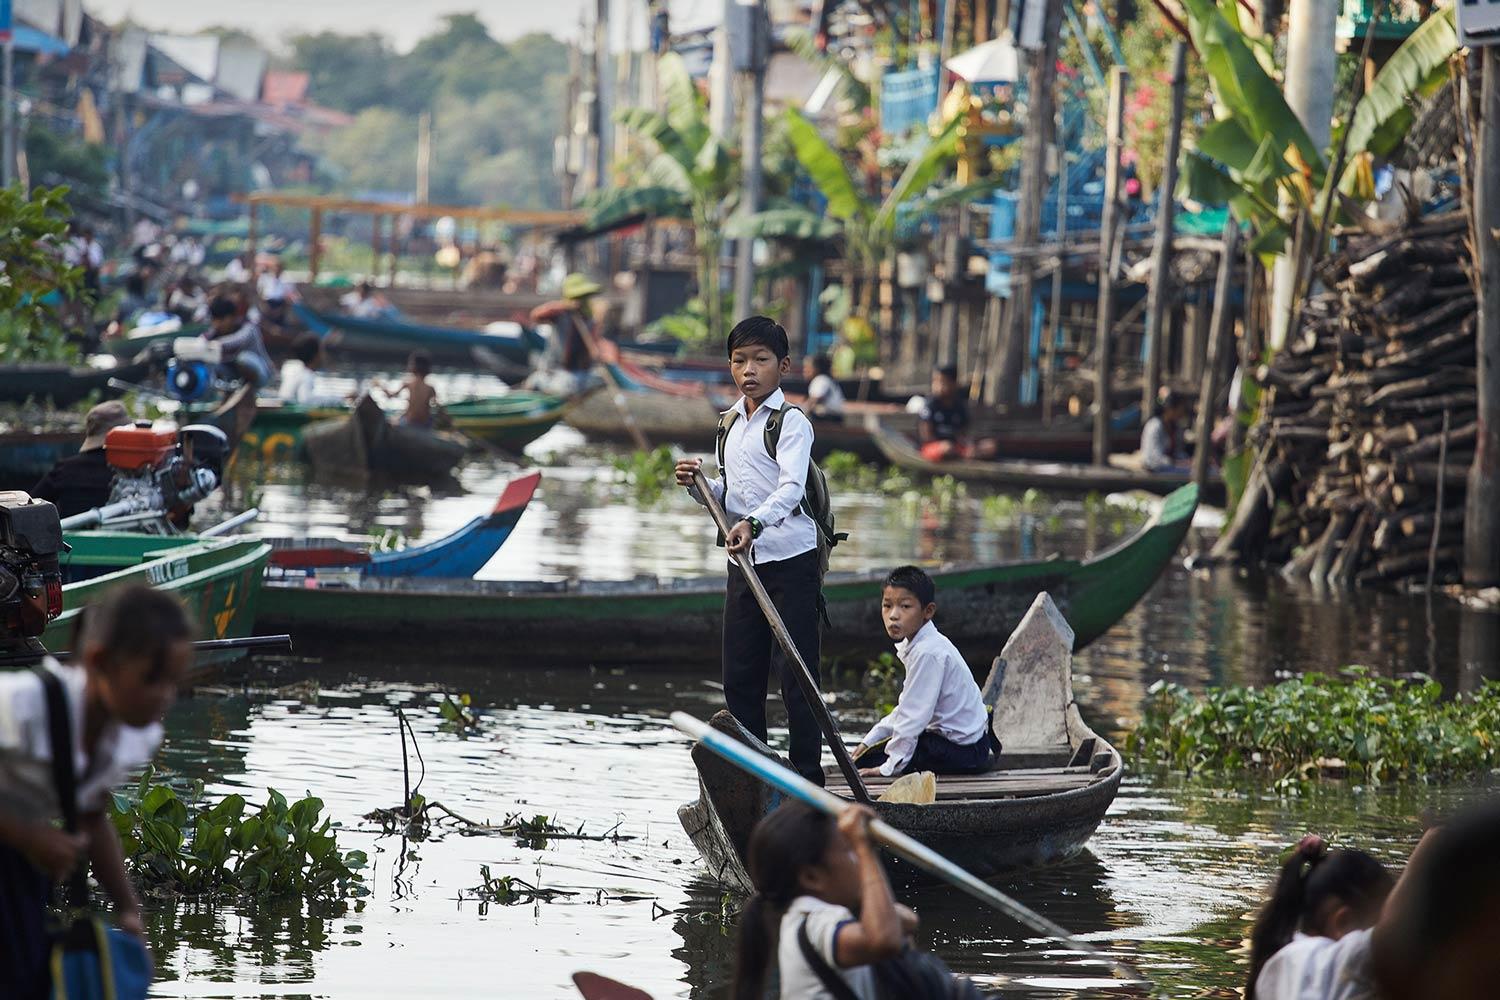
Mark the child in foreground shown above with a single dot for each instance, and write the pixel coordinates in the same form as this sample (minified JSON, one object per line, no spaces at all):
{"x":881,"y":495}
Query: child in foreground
{"x":421,"y":397}
{"x":135,"y":650}
{"x":940,"y":723}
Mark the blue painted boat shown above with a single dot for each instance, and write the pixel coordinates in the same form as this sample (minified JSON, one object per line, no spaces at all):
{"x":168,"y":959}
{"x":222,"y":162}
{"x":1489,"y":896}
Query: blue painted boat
{"x":394,"y":338}
{"x":458,"y":555}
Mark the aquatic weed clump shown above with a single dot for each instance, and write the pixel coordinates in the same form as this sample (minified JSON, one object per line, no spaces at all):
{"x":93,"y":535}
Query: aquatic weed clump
{"x":1373,"y":729}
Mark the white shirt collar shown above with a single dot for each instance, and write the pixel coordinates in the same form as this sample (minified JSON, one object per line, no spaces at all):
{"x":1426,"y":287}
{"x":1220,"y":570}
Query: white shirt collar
{"x":905,"y":647}
{"x":775,"y":401}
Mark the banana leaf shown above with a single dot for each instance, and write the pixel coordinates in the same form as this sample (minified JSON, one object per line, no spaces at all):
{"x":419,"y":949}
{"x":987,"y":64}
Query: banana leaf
{"x":685,"y":109}
{"x":920,"y":173}
{"x":609,"y":205}
{"x":826,"y":168}
{"x":647,"y":123}
{"x":782,"y":224}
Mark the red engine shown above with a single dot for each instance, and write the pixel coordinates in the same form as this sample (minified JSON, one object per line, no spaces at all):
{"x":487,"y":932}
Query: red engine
{"x":137,"y":447}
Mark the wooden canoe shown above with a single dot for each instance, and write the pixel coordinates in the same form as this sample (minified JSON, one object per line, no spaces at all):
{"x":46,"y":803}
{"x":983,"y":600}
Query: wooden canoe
{"x":365,"y":444}
{"x":218,"y":579}
{"x":651,"y":621}
{"x":1052,"y":477}
{"x":510,"y":422}
{"x":25,"y":456}
{"x":393,"y":339}
{"x":1045,"y":796}
{"x":457,"y":555}
{"x":64,"y":385}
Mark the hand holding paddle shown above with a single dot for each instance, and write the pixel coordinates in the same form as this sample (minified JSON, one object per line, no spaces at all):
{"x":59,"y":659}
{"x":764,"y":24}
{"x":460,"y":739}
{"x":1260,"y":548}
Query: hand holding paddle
{"x":741,"y":555}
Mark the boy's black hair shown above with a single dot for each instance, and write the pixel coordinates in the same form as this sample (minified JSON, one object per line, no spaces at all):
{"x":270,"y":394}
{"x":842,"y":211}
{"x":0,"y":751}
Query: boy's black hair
{"x":420,"y":363}
{"x":759,"y":330}
{"x":822,"y":364}
{"x":914,"y":579}
{"x":1169,"y":399}
{"x":222,"y":307}
{"x":306,"y":347}
{"x":948,"y":371}
{"x":137,"y":621}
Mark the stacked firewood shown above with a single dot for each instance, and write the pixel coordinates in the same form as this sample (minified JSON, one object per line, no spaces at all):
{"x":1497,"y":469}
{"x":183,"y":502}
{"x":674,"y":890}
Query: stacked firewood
{"x":1370,"y":425}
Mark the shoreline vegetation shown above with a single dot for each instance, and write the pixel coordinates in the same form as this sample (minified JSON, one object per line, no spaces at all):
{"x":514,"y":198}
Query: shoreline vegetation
{"x":1368,"y":729}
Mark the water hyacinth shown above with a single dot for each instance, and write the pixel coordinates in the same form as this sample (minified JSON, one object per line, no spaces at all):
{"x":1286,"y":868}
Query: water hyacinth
{"x":1373,"y":729}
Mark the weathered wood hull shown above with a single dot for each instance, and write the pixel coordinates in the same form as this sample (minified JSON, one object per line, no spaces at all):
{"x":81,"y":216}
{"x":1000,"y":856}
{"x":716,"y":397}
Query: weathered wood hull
{"x":678,"y":623}
{"x":64,"y":385}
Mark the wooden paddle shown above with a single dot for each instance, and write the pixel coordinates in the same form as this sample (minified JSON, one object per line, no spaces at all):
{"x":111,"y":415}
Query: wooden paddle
{"x":778,"y":627}
{"x":917,"y":853}
{"x":596,"y":987}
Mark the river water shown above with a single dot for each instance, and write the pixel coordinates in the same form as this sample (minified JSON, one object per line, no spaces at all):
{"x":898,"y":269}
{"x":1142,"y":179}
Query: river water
{"x":1167,"y":881}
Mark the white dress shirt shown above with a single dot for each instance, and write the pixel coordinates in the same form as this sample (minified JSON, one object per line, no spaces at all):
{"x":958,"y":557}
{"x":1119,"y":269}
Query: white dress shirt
{"x":26,"y":787}
{"x":939,"y":694}
{"x":824,"y":922}
{"x":765,"y":488}
{"x":1318,"y":968}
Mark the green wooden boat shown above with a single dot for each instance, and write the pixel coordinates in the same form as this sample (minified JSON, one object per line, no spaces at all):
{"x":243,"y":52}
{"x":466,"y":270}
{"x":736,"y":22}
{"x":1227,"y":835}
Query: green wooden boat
{"x":132,"y":344}
{"x":510,"y":422}
{"x":647,"y":621}
{"x":218,"y":579}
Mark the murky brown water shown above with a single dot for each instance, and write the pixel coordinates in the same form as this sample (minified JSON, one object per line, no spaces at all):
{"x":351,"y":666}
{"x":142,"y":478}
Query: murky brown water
{"x":1166,"y":883}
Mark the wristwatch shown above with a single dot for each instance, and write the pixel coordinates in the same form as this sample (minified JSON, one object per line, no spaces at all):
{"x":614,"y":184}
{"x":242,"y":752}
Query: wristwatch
{"x":755,"y":526}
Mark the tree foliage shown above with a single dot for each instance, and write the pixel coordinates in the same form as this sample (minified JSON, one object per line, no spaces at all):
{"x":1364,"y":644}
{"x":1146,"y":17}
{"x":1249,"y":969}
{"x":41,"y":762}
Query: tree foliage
{"x":495,"y":108}
{"x":33,"y":276}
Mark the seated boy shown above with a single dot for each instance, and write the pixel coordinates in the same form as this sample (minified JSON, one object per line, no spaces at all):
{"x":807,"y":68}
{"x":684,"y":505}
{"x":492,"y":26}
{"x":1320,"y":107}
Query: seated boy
{"x":135,"y":650}
{"x":825,"y":399}
{"x":940,"y":723}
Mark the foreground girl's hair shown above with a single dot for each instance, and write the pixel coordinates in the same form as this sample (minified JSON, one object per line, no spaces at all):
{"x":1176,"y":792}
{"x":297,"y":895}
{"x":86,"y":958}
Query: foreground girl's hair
{"x":1313,"y":879}
{"x":785,"y":842}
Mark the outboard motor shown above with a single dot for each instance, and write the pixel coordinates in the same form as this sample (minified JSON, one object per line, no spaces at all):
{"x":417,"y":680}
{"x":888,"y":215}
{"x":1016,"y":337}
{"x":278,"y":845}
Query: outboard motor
{"x":159,"y":475}
{"x":191,"y":372}
{"x":30,"y":577}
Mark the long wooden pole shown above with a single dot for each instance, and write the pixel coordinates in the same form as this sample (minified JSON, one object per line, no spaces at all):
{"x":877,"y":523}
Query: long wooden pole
{"x":1054,"y":308}
{"x":1105,"y":320}
{"x":1482,"y":505}
{"x":903,"y":846}
{"x":1161,"y":261}
{"x":778,"y":628}
{"x":1217,"y":346}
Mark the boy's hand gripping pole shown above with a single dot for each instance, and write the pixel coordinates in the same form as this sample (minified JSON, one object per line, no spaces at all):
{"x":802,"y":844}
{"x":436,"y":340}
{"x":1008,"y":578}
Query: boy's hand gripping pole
{"x":778,"y":627}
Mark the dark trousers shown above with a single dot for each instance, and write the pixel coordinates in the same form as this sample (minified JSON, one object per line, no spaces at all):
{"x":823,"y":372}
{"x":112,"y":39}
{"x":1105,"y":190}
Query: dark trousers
{"x":940,"y":755}
{"x":24,"y":944}
{"x":751,"y":650}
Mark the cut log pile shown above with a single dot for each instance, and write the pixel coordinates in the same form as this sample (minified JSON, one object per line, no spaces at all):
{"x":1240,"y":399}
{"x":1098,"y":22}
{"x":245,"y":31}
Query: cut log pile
{"x":1369,"y":425}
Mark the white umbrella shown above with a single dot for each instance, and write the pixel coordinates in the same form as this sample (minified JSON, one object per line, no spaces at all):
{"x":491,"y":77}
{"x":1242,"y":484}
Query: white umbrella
{"x":993,"y":62}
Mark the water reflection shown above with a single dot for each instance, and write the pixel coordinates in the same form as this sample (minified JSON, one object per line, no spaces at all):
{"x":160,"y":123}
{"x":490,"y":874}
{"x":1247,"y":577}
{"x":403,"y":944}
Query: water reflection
{"x":1167,"y":882}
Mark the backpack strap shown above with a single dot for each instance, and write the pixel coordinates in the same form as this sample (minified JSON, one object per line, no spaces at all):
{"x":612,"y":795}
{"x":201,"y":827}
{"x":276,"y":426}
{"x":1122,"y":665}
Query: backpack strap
{"x":64,"y":779}
{"x":837,"y":986}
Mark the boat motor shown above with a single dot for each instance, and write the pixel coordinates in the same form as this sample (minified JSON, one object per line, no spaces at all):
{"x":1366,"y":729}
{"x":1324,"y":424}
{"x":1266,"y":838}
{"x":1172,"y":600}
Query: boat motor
{"x":30,"y":577}
{"x":191,"y":374}
{"x":159,"y":475}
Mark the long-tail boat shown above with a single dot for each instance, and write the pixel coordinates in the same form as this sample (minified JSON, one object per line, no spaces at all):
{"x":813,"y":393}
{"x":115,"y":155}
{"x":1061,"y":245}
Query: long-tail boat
{"x":677,"y":622}
{"x":1041,"y":801}
{"x":392,"y":339}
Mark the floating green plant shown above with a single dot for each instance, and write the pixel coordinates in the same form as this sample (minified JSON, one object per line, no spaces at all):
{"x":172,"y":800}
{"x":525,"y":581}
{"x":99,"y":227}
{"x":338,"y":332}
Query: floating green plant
{"x":1373,"y":729}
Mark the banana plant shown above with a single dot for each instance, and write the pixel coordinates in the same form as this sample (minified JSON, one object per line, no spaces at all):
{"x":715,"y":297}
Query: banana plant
{"x":1257,"y":150}
{"x":866,"y":226}
{"x":692,"y":176}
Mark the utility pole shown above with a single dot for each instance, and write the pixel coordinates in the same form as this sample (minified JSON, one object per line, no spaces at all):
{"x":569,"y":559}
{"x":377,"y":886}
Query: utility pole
{"x":1311,"y":62}
{"x":601,"y":86}
{"x":1041,"y":76}
{"x":1108,"y":229}
{"x":758,"y":44}
{"x":1482,"y":505}
{"x":1159,"y":293}
{"x":8,"y":95}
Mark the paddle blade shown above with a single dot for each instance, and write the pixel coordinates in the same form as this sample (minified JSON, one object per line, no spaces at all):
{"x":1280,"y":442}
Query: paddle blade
{"x":596,"y":987}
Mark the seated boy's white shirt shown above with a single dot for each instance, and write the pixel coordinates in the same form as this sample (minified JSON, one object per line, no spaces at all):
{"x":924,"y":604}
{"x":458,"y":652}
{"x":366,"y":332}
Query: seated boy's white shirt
{"x":299,"y":384}
{"x":765,"y":488}
{"x":938,"y":693}
{"x":1154,"y":445}
{"x":26,"y":786}
{"x":824,"y":393}
{"x":798,"y":980}
{"x":1318,"y":968}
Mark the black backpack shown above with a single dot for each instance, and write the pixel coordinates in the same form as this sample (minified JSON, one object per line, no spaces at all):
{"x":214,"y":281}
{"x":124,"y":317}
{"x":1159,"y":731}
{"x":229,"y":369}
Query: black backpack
{"x":911,"y":975}
{"x":816,"y":502}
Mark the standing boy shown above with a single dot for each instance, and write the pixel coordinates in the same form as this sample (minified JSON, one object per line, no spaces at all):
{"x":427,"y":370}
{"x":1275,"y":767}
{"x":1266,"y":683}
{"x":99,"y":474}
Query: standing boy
{"x":763,"y":497}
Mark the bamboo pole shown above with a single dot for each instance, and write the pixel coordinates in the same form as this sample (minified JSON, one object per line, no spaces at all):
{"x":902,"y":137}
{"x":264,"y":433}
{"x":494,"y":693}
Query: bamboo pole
{"x":1054,"y":309}
{"x":314,"y":244}
{"x":1161,"y":261}
{"x":1217,"y":347}
{"x":1104,"y":321}
{"x":1482,"y":507}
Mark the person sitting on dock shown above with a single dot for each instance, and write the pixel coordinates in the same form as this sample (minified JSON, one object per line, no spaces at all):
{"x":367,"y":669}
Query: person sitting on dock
{"x":943,"y":421}
{"x":940,"y":723}
{"x":136,"y":650}
{"x":81,"y":482}
{"x":825,"y":398}
{"x":1159,"y":438}
{"x":766,"y":492}
{"x":421,"y":397}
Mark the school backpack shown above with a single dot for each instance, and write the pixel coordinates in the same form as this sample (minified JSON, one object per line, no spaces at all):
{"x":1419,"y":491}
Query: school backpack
{"x":816,"y":502}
